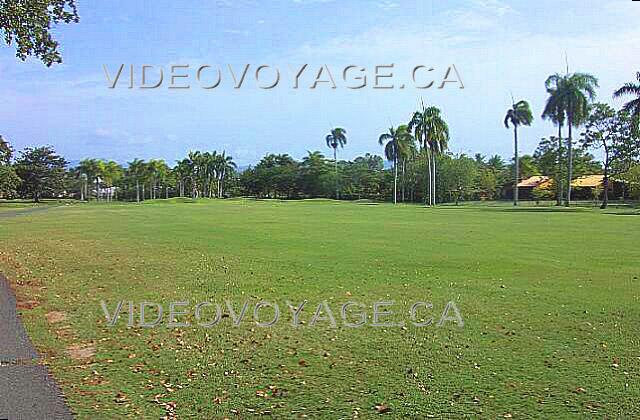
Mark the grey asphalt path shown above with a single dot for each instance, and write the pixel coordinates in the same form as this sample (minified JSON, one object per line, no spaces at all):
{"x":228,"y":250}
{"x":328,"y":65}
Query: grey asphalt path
{"x":27,"y":390}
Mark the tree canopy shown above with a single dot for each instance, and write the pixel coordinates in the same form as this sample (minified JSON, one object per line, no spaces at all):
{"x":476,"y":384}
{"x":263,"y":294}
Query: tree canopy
{"x":28,"y":25}
{"x":42,"y":172}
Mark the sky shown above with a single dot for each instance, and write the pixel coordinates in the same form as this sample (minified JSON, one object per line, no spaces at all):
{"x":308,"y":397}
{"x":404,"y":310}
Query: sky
{"x":498,"y":48}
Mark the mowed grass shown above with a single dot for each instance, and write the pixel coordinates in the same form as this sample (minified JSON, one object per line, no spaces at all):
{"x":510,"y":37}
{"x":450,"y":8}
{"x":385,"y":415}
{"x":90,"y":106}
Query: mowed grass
{"x":550,"y":301}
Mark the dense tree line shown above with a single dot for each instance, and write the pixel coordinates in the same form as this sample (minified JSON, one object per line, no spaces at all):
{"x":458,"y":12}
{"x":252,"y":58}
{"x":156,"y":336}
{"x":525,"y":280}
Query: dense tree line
{"x":421,"y":167}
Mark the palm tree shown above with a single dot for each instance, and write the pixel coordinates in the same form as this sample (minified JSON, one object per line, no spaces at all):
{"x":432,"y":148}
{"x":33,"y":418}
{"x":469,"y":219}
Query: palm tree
{"x":391,"y":153}
{"x":182,"y":173}
{"x":633,"y":106}
{"x":337,"y":137}
{"x":112,"y":172}
{"x":519,"y":114}
{"x":554,"y":112}
{"x":431,"y":130}
{"x":226,"y":166}
{"x":572,"y":94}
{"x":396,"y":140}
{"x":195,"y":164}
{"x":136,"y":168}
{"x":93,"y":168}
{"x":406,"y":151}
{"x":156,"y":170}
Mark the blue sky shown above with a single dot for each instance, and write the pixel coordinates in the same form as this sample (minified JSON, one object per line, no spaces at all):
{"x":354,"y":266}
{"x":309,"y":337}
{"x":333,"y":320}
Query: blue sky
{"x":498,"y":47}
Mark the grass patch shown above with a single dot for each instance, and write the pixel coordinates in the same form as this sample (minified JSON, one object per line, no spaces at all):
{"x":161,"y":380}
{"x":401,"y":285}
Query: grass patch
{"x":549,"y":299}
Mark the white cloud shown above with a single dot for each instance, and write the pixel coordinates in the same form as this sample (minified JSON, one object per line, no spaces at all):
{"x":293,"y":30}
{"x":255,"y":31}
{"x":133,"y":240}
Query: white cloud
{"x":388,"y":5}
{"x":496,"y":7}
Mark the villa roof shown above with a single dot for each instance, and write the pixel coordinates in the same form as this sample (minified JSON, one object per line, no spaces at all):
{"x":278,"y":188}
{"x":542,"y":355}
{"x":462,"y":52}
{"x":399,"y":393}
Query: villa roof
{"x":588,"y":181}
{"x":533,"y":181}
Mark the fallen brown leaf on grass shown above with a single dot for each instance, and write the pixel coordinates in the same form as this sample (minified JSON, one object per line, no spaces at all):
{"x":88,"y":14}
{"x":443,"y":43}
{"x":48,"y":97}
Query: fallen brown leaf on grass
{"x":55,"y":317}
{"x":81,"y":351}
{"x":382,"y":409}
{"x":121,"y":398}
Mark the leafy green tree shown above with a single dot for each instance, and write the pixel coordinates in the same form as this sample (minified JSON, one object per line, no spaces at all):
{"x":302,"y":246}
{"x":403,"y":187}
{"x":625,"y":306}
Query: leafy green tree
{"x":275,"y":176}
{"x":432,"y":132}
{"x":457,"y":176}
{"x":519,"y":114}
{"x":571,"y":94}
{"x":6,"y":152}
{"x":337,"y":138}
{"x":314,"y":174}
{"x":608,"y":130}
{"x":41,"y":171}
{"x":631,"y":178}
{"x":28,"y":24}
{"x":601,"y":129}
{"x":528,"y":167}
{"x":363,"y":177}
{"x":9,"y":181}
{"x":539,"y":193}
{"x":487,"y":182}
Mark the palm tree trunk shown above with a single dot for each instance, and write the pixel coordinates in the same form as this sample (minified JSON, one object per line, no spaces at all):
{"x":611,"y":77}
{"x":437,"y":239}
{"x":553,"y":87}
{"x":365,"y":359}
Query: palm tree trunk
{"x":433,"y":180}
{"x":224,"y":174}
{"x":404,"y":181}
{"x":427,"y":197}
{"x":395,"y":180}
{"x":137,"y":190}
{"x":335,"y":162}
{"x":570,"y":163}
{"x":516,"y":172}
{"x":559,"y":186}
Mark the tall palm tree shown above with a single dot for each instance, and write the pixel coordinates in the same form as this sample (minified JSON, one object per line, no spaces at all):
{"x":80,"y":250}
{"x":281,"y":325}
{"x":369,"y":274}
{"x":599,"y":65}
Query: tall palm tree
{"x":571,"y":93}
{"x":182,"y":172}
{"x":156,"y":171}
{"x":432,"y":132}
{"x":396,"y":142}
{"x":195,"y":163}
{"x":554,"y":112}
{"x":406,"y":151}
{"x":519,"y":114}
{"x":93,"y":168}
{"x":112,"y":172}
{"x":633,"y":106}
{"x":225,"y":166}
{"x":337,"y":137}
{"x":391,"y":153}
{"x":136,"y":169}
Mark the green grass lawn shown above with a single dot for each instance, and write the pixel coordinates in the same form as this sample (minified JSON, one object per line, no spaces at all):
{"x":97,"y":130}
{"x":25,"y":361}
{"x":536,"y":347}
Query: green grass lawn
{"x":550,"y":300}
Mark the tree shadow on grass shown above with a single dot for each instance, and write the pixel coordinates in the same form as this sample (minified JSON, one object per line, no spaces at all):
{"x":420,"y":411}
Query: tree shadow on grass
{"x":623,"y":213}
{"x":538,"y":209}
